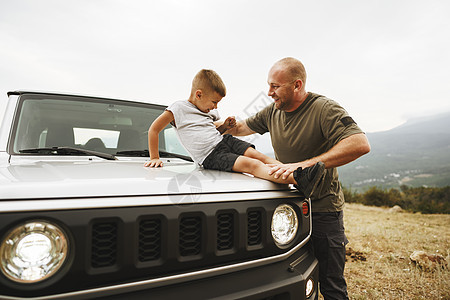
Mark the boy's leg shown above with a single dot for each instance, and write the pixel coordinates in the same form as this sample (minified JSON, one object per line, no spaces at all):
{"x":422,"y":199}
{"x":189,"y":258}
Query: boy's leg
{"x":253,"y":153}
{"x":305,"y":180}
{"x":257,"y":168}
{"x":244,"y":148}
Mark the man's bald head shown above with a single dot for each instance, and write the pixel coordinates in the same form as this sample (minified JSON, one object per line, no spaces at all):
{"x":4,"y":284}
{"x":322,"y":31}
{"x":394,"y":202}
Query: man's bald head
{"x":292,"y":67}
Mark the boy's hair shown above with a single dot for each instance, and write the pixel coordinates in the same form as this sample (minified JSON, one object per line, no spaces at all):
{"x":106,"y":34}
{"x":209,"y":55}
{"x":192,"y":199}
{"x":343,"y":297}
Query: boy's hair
{"x":208,"y":81}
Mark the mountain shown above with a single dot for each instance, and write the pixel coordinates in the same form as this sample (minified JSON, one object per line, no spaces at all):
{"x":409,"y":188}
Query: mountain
{"x":416,"y":153}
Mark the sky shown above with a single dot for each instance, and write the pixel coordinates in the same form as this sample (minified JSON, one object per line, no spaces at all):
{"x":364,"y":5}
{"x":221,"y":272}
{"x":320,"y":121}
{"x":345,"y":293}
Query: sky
{"x":384,"y":61}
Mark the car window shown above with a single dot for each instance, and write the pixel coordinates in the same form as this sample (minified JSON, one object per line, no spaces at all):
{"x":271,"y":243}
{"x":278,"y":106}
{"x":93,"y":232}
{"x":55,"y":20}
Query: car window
{"x":95,"y":124}
{"x":109,"y":138}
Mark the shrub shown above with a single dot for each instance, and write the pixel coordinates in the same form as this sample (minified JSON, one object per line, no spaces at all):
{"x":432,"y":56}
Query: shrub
{"x":419,"y":199}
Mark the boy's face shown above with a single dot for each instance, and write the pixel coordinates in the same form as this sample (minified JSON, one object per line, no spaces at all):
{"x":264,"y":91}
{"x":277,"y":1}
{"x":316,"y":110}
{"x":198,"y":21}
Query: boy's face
{"x":207,"y":101}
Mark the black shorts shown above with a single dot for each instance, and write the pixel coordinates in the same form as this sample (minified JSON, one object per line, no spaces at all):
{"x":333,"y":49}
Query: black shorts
{"x":224,"y":155}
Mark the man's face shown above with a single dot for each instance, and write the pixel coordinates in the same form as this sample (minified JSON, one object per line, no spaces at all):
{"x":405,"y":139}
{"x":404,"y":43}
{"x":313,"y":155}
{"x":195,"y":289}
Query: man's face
{"x":281,"y":88}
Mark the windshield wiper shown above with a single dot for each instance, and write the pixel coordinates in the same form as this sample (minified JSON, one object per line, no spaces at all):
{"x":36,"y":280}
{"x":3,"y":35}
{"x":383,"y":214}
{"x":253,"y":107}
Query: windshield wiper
{"x":68,"y":151}
{"x":163,"y":153}
{"x":145,"y":153}
{"x":141,"y":153}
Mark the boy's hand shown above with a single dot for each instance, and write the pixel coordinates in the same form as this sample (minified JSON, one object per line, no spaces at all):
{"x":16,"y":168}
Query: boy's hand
{"x":230,"y":122}
{"x":154,"y":163}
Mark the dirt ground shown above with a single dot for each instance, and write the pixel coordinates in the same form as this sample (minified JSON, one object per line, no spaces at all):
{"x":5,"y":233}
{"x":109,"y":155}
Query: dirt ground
{"x":378,"y":255}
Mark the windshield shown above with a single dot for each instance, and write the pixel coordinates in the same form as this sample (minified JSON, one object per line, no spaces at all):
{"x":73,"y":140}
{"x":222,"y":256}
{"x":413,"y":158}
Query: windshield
{"x":107,"y":126}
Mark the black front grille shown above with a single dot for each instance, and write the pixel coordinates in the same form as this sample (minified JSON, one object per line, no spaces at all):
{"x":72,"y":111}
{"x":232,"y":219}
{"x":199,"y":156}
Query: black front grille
{"x":190,"y":242}
{"x":190,"y":237}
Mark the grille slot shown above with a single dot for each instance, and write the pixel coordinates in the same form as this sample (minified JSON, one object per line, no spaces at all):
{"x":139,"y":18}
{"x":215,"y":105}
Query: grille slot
{"x":149,"y":240}
{"x":254,"y":228}
{"x":225,"y":231}
{"x":104,"y":244}
{"x":190,"y":239}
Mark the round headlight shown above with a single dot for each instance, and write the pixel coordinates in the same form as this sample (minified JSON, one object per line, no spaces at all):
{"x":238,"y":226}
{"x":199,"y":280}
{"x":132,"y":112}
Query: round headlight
{"x":284,"y":224}
{"x":33,"y":251}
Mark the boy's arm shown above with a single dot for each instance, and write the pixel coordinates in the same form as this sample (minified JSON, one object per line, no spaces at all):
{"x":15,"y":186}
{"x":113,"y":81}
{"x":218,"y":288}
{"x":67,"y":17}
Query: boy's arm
{"x":240,"y":129}
{"x":229,"y":123}
{"x":153,"y":138}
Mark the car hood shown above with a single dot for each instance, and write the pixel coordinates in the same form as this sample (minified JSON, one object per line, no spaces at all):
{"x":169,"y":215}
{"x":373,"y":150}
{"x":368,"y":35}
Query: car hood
{"x":44,"y":179}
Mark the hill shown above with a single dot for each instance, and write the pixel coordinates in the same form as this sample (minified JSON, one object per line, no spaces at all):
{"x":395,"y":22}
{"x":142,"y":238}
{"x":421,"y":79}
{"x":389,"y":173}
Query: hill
{"x":416,"y":153}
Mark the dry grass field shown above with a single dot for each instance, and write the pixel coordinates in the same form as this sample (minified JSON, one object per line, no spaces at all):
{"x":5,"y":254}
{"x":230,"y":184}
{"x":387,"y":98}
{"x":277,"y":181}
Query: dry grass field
{"x":378,"y":255}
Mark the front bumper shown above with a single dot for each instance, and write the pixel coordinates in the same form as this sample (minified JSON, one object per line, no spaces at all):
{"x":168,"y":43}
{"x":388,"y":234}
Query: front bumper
{"x":278,"y":281}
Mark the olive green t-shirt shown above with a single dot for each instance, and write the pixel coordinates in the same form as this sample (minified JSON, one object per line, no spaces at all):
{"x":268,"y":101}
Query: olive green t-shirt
{"x":312,"y":129}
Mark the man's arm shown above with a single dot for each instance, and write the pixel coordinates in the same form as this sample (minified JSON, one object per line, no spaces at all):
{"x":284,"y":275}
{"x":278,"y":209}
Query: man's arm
{"x":342,"y":153}
{"x":153,"y":138}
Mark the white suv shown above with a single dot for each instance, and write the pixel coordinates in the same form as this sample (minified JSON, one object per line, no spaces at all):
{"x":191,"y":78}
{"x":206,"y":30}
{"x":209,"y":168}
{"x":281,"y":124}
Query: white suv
{"x":81,"y":217}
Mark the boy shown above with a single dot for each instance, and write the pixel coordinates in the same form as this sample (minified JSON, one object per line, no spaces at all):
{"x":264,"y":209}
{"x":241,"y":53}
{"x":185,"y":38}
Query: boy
{"x":196,"y":124}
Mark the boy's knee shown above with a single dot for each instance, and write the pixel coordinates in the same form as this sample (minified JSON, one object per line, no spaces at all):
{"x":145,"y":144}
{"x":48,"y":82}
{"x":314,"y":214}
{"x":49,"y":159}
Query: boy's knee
{"x":249,"y":151}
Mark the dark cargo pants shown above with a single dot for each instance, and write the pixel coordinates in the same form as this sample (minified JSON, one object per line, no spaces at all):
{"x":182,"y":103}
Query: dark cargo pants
{"x":329,"y":240}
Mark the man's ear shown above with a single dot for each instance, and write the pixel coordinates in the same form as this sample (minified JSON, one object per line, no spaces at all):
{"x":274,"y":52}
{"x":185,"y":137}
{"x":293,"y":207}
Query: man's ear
{"x":298,"y":84}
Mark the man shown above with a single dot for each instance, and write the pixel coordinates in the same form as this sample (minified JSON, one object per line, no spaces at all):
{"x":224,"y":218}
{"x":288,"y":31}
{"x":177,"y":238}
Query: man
{"x":307,"y":128}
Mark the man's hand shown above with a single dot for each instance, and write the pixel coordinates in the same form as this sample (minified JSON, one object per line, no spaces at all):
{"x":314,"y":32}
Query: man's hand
{"x":154,"y":163}
{"x":284,"y":170}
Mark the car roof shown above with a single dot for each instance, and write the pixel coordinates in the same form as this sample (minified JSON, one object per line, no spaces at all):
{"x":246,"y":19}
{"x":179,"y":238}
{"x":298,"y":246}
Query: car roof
{"x":31,"y":92}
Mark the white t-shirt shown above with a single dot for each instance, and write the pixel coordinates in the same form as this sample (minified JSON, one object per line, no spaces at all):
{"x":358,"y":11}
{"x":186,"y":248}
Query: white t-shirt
{"x":196,"y":129}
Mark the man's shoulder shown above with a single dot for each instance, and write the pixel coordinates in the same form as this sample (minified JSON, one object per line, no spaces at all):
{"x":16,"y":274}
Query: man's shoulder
{"x":318,"y":98}
{"x":322,"y":101}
